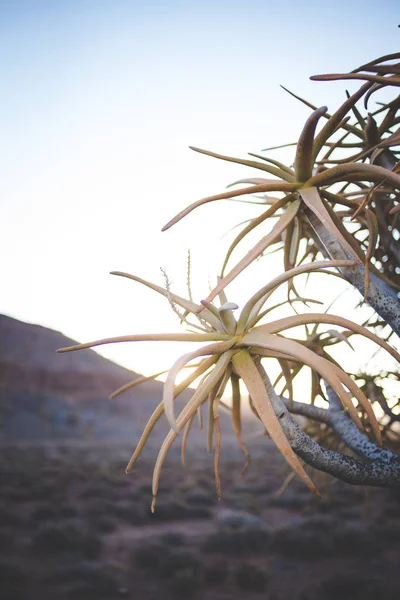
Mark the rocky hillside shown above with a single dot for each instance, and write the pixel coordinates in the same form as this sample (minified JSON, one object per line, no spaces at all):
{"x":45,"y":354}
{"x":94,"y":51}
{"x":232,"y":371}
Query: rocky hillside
{"x":44,"y":394}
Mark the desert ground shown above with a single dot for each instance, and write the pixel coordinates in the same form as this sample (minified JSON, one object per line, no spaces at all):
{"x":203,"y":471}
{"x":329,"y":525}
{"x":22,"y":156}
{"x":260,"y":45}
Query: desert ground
{"x":75,"y":526}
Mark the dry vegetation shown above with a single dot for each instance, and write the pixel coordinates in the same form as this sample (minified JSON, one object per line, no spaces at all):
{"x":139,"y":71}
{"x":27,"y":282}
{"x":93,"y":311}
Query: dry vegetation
{"x":76,"y":527}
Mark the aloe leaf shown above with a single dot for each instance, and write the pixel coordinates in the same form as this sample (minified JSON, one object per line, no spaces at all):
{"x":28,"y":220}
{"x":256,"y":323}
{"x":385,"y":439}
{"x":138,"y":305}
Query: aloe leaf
{"x":295,"y":242}
{"x":214,"y":310}
{"x":270,"y":186}
{"x":145,"y":436}
{"x":306,"y":356}
{"x":335,"y":119}
{"x":356,"y":113}
{"x":250,"y":180}
{"x":391,"y":80}
{"x":259,"y":316}
{"x":226,"y":312}
{"x":304,"y":154}
{"x":214,"y":399}
{"x":288,"y":378}
{"x":152,"y":337}
{"x":392,"y":140}
{"x":386,"y":57}
{"x":349,"y":128}
{"x":253,"y":223}
{"x":279,"y":147}
{"x":262,"y":403}
{"x":188,"y":305}
{"x":205,"y":364}
{"x":295,"y":320}
{"x":236,"y":419}
{"x":313,"y":200}
{"x":384,"y":69}
{"x":272,"y":285}
{"x":247,"y":163}
{"x":210,"y":420}
{"x":360,"y":172}
{"x":338,"y":335}
{"x":258,"y":249}
{"x":191,"y":407}
{"x":169,"y":386}
{"x":276,"y":163}
{"x":134,"y":383}
{"x":185,"y":439}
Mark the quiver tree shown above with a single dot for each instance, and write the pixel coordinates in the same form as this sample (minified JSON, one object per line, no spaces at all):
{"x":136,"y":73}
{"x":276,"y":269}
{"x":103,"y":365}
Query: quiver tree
{"x":333,"y":211}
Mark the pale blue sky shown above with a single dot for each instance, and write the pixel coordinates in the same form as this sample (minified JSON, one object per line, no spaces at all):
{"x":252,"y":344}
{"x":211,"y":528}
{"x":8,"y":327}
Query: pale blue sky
{"x":99,"y":103}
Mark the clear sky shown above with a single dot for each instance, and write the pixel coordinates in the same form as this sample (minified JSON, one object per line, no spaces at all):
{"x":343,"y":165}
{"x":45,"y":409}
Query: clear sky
{"x":100,"y":101}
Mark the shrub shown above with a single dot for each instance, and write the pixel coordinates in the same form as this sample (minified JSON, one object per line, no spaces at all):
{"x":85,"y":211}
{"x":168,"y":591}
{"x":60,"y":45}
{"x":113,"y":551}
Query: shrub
{"x":251,"y":577}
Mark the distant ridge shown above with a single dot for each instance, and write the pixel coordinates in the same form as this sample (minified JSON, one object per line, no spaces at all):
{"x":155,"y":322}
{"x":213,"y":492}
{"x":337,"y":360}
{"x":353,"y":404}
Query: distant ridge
{"x":43,"y":393}
{"x":50,"y":396}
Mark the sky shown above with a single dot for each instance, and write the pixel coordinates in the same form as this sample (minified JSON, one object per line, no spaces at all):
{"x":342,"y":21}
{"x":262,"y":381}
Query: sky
{"x":100,"y":102}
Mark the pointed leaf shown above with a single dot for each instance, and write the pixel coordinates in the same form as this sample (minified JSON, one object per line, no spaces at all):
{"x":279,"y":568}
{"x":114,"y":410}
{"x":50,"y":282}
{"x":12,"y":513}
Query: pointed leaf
{"x":247,"y":163}
{"x":236,"y":418}
{"x":335,"y":119}
{"x":134,"y":383}
{"x":314,"y":202}
{"x":306,"y":356}
{"x":206,"y":364}
{"x":252,"y":225}
{"x":185,"y":439}
{"x":258,"y":249}
{"x":304,"y":161}
{"x":276,"y":163}
{"x":152,"y":337}
{"x":262,"y":403}
{"x":296,"y":320}
{"x":272,"y":285}
{"x":188,"y":305}
{"x":269,"y":186}
{"x":390,"y":80}
{"x":169,"y":386}
{"x":191,"y":407}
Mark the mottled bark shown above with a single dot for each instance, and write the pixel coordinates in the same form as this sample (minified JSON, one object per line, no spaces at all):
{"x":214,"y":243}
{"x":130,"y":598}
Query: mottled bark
{"x":381,"y":296}
{"x":381,"y":471}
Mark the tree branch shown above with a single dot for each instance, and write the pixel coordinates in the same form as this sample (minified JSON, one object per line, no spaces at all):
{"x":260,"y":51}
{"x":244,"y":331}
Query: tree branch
{"x":343,"y":426}
{"x":380,"y":472}
{"x":381,"y":297}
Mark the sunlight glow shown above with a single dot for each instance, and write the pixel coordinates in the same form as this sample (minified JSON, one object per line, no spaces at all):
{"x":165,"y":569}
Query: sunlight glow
{"x":100,"y":104}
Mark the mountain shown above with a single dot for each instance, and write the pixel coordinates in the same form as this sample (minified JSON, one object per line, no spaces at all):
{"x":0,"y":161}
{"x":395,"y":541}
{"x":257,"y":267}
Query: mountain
{"x":45,"y":395}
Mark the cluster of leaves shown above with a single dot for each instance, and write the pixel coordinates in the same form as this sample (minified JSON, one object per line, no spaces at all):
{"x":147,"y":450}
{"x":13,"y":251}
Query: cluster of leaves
{"x":357,"y":202}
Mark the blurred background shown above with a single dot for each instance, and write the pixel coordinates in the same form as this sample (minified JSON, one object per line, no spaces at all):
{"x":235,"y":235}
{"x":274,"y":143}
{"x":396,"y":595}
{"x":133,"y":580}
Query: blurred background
{"x":100,"y":101}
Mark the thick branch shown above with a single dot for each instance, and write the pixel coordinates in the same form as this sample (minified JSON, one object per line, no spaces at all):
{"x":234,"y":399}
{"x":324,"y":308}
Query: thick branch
{"x":352,"y":470}
{"x":381,"y":297}
{"x":343,"y":426}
